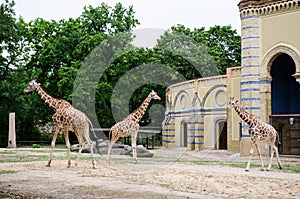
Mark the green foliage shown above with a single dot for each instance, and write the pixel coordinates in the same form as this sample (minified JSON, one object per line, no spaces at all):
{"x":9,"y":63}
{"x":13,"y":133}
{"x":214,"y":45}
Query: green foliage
{"x":7,"y":172}
{"x":222,"y":43}
{"x":53,"y":52}
{"x":36,"y":146}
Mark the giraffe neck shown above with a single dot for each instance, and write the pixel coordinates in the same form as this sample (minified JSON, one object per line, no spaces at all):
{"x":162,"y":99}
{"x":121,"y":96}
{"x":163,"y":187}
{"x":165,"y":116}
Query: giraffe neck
{"x":247,"y":117}
{"x":51,"y":101}
{"x":137,"y":115}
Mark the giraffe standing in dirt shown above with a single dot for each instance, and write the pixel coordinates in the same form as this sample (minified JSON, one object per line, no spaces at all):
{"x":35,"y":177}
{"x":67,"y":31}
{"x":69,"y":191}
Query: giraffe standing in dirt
{"x":130,"y":125}
{"x":258,"y":130}
{"x":66,"y":118}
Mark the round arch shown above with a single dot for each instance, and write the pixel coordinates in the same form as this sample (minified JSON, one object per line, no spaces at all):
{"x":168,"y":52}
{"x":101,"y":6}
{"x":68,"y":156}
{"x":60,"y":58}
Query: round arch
{"x":179,"y":99}
{"x":273,"y":53}
{"x":209,"y":92}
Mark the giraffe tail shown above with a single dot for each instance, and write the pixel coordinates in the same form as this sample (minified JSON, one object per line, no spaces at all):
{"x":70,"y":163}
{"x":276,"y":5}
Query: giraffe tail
{"x":277,"y":137}
{"x":97,"y":143}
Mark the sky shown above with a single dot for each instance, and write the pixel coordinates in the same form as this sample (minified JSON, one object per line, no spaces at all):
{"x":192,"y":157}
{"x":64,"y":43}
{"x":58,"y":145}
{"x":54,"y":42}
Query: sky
{"x":161,"y":14}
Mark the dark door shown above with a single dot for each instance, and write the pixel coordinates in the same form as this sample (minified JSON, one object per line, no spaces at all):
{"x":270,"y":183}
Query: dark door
{"x":184,"y":134}
{"x":285,"y":95}
{"x":285,"y":90}
{"x":223,"y":135}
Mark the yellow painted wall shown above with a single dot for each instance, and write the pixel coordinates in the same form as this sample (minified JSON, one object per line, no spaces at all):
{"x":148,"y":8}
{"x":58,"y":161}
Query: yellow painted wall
{"x":280,"y":28}
{"x":204,"y":98}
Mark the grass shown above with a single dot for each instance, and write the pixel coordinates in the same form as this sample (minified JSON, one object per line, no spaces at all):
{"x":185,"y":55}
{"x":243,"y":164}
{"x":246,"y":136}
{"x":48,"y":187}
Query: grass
{"x":39,"y":155}
{"x":43,"y":155}
{"x":8,"y":152}
{"x":7,"y":172}
{"x":165,"y":185}
{"x":295,"y":168}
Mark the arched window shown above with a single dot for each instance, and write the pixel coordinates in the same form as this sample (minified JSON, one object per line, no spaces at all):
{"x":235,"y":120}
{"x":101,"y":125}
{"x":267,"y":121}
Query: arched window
{"x":285,"y":90}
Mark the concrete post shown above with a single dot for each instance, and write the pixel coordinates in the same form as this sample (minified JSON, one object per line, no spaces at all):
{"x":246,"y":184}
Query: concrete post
{"x":12,"y":133}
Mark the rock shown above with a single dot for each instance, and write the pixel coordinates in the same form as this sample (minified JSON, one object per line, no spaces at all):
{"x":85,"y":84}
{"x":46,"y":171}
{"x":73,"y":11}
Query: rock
{"x":117,"y":149}
{"x":141,"y":151}
{"x":127,"y":150}
{"x":86,"y":148}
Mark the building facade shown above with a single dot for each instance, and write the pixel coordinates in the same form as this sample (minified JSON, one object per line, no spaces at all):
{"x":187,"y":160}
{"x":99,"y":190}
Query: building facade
{"x":265,"y":84}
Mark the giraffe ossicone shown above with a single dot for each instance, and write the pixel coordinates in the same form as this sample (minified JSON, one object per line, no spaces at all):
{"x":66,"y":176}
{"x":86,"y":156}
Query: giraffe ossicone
{"x":258,"y":131}
{"x":66,"y":118}
{"x":130,"y":126}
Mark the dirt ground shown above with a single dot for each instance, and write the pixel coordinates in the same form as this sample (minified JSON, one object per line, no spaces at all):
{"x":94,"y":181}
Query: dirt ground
{"x":171,"y":173}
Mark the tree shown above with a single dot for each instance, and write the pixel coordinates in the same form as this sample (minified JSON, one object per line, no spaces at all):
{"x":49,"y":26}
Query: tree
{"x":51,"y":52}
{"x":13,"y":55}
{"x":57,"y":52}
{"x":222,"y":43}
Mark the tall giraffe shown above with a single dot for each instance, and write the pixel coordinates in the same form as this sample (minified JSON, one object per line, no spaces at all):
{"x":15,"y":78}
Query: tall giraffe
{"x":66,"y":118}
{"x":130,"y":125}
{"x":258,"y":131}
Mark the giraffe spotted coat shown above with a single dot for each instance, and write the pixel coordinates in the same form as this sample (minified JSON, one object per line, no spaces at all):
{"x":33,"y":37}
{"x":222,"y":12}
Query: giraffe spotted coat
{"x":66,"y":118}
{"x":130,"y":125}
{"x":258,"y":131}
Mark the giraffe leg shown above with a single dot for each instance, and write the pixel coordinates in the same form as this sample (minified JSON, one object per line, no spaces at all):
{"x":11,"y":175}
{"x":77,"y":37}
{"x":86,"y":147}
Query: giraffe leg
{"x":56,"y":129}
{"x":111,"y":143}
{"x":251,"y":153}
{"x":274,"y":149}
{"x":87,"y":137}
{"x":277,"y":156}
{"x":133,"y":145}
{"x":80,"y":142}
{"x":271,"y":159}
{"x":259,"y":154}
{"x":114,"y":138}
{"x":68,"y":147}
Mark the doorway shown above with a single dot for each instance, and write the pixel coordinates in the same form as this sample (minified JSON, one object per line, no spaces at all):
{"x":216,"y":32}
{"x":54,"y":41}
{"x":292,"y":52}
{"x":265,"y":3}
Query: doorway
{"x":285,"y":96}
{"x":183,"y":132}
{"x":222,"y":135}
{"x":285,"y":90}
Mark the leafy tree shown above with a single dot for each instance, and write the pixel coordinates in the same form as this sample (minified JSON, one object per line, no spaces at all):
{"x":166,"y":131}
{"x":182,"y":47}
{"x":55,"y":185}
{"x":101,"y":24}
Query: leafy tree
{"x":222,"y":43}
{"x":13,"y":55}
{"x":61,"y":47}
{"x":51,"y":52}
{"x":68,"y":55}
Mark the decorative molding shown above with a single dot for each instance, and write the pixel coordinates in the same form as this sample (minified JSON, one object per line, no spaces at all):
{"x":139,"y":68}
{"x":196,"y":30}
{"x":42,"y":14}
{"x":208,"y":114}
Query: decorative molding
{"x":272,"y":54}
{"x":266,"y":8}
{"x":220,"y":97}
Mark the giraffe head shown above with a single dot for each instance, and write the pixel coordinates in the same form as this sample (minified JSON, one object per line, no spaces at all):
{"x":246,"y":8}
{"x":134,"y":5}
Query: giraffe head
{"x":31,"y":86}
{"x":232,"y":103}
{"x":153,"y":95}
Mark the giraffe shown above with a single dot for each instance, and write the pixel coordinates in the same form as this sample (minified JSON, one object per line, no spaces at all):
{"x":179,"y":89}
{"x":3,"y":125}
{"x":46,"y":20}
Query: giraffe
{"x":66,"y":118}
{"x":258,"y":131}
{"x":130,"y":126}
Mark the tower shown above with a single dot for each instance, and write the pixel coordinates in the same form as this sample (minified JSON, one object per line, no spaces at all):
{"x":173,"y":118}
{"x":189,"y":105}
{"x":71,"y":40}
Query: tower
{"x":269,"y":33}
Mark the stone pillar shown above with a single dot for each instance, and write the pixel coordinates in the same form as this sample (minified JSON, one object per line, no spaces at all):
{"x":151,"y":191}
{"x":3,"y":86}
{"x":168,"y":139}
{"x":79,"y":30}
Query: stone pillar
{"x":199,"y":132}
{"x":168,"y":131}
{"x":191,"y":133}
{"x":12,"y":132}
{"x":250,"y":83}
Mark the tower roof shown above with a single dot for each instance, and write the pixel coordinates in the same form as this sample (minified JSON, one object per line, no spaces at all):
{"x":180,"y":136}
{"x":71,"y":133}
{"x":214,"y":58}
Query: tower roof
{"x":255,"y":3}
{"x":266,"y":7}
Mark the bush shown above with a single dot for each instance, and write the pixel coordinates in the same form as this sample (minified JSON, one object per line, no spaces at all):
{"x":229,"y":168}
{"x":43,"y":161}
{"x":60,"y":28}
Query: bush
{"x":36,"y":146}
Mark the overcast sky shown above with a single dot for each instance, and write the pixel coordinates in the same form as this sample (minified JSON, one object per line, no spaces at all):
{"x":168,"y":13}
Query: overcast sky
{"x":151,"y":13}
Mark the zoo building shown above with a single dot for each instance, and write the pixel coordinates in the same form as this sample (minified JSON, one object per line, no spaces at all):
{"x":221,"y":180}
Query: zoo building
{"x":266,"y":85}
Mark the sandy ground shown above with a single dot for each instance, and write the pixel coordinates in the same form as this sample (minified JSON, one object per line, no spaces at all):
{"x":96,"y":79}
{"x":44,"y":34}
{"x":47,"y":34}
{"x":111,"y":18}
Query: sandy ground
{"x":171,"y":173}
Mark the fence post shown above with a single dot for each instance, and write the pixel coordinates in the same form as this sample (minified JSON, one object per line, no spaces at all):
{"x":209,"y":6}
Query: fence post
{"x":12,"y":132}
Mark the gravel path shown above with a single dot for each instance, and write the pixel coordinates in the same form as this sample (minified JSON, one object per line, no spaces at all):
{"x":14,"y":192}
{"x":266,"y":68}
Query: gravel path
{"x":171,"y":173}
